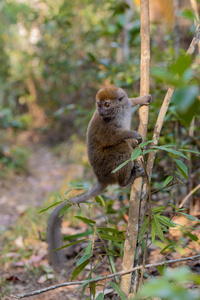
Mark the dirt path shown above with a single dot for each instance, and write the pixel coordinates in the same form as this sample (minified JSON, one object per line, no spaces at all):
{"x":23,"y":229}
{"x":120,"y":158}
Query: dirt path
{"x":47,"y":172}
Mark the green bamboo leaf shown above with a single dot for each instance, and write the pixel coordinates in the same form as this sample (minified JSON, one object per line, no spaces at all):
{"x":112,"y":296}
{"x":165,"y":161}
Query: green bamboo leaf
{"x":189,"y":217}
{"x":145,"y":143}
{"x":193,"y":237}
{"x":88,"y":277}
{"x":148,"y":151}
{"x":178,"y":174}
{"x":158,"y":228}
{"x":87,"y":281}
{"x":158,"y":208}
{"x":167,"y":180}
{"x":100,"y":296}
{"x":111,"y":238}
{"x":182,"y":168}
{"x":92,"y":287}
{"x":118,"y":290}
{"x":153,"y":231}
{"x":79,"y":268}
{"x":171,"y":245}
{"x":73,"y":243}
{"x":179,"y":180}
{"x":120,"y":166}
{"x":166,"y":221}
{"x":64,"y":209}
{"x":161,"y":269}
{"x":191,"y":151}
{"x":75,"y":236}
{"x":143,"y":228}
{"x":45,"y":209}
{"x":184,"y":246}
{"x":83,"y":258}
{"x":99,"y":199}
{"x":107,"y":229}
{"x":86,"y":220}
{"x":174,"y":206}
{"x":136,"y":153}
{"x":112,"y":253}
{"x":171,"y":151}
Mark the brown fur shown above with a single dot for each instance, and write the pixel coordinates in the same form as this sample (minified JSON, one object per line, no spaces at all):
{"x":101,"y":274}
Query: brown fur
{"x":109,"y":143}
{"x":106,"y":93}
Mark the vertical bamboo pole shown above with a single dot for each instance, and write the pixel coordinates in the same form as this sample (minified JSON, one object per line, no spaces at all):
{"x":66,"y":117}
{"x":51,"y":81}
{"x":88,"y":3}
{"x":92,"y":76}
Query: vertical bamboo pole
{"x":134,"y":206}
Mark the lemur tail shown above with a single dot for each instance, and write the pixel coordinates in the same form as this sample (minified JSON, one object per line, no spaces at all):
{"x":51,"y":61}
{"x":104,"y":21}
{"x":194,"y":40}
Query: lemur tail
{"x":54,"y":237}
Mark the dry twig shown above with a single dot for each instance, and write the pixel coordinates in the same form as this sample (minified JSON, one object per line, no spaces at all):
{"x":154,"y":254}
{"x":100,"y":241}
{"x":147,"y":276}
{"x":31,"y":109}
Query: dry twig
{"x":122,"y":273}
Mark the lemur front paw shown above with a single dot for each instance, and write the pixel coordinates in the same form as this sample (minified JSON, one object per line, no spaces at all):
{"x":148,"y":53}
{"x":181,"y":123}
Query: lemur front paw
{"x":147,"y":99}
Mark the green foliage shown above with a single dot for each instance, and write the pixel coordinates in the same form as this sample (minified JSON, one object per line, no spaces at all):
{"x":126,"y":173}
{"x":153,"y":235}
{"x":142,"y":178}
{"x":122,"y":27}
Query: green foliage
{"x":172,"y":285}
{"x":14,"y":158}
{"x":118,"y":290}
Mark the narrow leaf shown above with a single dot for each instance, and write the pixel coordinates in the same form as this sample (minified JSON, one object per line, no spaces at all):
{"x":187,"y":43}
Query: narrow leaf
{"x":83,"y":258}
{"x":148,"y":151}
{"x":143,"y":228}
{"x":73,"y":243}
{"x":171,"y":151}
{"x":99,"y":199}
{"x":145,"y":143}
{"x":45,"y":209}
{"x":157,"y":209}
{"x":153,"y":231}
{"x":100,"y":296}
{"x":92,"y":286}
{"x":75,"y":236}
{"x":111,"y":238}
{"x":118,"y":290}
{"x":166,"y":221}
{"x":189,"y":217}
{"x":158,"y":228}
{"x":174,"y":206}
{"x":167,"y":180}
{"x":191,"y":151}
{"x":184,"y":246}
{"x":193,"y":237}
{"x":161,"y":269}
{"x":182,"y":167}
{"x":87,"y":281}
{"x":120,"y":166}
{"x":171,"y":245}
{"x":64,"y":209}
{"x":113,"y":230}
{"x":113,"y":253}
{"x":86,"y":220}
{"x":78,"y":269}
{"x":136,"y":153}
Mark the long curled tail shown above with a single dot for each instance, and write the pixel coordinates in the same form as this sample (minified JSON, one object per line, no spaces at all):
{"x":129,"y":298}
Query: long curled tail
{"x":54,"y":237}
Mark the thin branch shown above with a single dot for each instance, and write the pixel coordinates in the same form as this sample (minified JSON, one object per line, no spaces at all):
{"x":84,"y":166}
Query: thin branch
{"x":122,"y":273}
{"x":130,"y":245}
{"x":164,"y":109}
{"x":188,"y":196}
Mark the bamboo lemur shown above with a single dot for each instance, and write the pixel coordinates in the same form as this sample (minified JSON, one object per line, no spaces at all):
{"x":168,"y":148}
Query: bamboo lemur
{"x":109,"y":143}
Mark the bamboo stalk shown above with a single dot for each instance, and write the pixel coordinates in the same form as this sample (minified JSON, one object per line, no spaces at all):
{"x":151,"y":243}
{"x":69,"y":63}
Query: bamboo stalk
{"x":134,"y":206}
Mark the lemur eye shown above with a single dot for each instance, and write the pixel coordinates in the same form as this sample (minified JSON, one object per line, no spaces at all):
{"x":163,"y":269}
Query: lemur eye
{"x":120,"y":99}
{"x":98,"y":104}
{"x":106,"y":104}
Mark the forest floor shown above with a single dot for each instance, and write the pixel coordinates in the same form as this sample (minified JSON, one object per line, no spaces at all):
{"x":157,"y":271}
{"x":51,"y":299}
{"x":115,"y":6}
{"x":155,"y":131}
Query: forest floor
{"x":24,"y":263}
{"x":22,"y":196}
